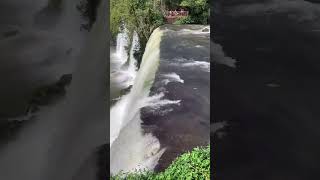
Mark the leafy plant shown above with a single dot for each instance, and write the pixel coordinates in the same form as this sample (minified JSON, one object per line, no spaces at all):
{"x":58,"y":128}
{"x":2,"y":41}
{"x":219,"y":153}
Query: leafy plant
{"x":142,"y":16}
{"x":184,"y":20}
{"x":194,"y":165}
{"x":198,"y":10}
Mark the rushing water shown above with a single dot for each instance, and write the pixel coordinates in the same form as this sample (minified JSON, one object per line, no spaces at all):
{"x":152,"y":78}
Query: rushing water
{"x":122,"y":44}
{"x":183,"y":77}
{"x":132,"y":143}
{"x":129,"y":148}
{"x":123,"y":68}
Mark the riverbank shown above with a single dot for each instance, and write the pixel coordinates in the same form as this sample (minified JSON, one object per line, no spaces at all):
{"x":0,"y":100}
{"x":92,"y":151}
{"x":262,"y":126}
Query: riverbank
{"x":190,"y":165}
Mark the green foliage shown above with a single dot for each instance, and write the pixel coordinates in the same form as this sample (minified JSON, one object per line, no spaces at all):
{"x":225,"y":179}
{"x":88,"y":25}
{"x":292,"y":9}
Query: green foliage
{"x":137,"y":175}
{"x":184,"y":20}
{"x":194,"y":165}
{"x":172,"y":4}
{"x":191,"y":165}
{"x":198,"y":10}
{"x":142,"y":16}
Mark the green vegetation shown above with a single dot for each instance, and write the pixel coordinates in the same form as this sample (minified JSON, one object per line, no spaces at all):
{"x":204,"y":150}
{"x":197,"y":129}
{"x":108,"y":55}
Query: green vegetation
{"x":194,"y":165}
{"x":184,"y":20}
{"x":198,"y":12}
{"x":142,"y":16}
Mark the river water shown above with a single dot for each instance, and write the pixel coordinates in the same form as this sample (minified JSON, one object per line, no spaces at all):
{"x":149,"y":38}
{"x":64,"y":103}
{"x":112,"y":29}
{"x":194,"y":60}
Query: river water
{"x":166,"y":112}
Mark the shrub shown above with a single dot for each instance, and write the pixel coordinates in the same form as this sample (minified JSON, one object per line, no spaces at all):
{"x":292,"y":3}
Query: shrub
{"x":190,"y":165}
{"x":184,"y":20}
{"x":199,"y":11}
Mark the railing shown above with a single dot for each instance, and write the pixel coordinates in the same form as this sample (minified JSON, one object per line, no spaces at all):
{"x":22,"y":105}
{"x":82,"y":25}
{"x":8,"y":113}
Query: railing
{"x":176,"y":13}
{"x":172,"y":16}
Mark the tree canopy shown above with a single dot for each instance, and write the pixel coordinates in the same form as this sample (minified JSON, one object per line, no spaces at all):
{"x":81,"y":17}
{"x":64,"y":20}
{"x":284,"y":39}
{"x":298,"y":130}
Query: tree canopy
{"x":142,"y":16}
{"x":198,"y":11}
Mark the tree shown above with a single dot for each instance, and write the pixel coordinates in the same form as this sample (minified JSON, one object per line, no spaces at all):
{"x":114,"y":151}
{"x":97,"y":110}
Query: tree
{"x":142,"y":16}
{"x":172,"y":4}
{"x":198,"y":10}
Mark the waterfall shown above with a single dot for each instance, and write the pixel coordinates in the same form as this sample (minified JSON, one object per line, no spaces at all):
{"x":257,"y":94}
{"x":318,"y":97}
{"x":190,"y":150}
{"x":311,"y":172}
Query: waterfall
{"x":129,"y":148}
{"x":135,"y":46}
{"x":65,"y":136}
{"x":122,"y":44}
{"x":124,"y":73}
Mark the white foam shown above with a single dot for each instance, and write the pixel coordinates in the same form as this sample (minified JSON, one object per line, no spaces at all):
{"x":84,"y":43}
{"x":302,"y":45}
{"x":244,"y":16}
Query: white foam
{"x":190,"y":63}
{"x":130,"y":149}
{"x":205,"y":30}
{"x":122,"y":44}
{"x":157,"y":105}
{"x":172,"y":77}
{"x":157,"y":101}
{"x":122,"y":74}
{"x":205,"y":66}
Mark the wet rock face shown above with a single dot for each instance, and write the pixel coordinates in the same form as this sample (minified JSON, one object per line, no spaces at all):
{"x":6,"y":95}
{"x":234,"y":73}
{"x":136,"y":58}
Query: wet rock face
{"x":205,"y":30}
{"x":270,"y":100}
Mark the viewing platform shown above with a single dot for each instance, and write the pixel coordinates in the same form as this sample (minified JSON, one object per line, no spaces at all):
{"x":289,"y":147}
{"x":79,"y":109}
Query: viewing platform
{"x":172,"y":16}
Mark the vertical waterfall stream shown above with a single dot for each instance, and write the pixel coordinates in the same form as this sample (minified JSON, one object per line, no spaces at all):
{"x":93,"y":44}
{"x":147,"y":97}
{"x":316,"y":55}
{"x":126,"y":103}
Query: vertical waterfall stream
{"x":130,"y":148}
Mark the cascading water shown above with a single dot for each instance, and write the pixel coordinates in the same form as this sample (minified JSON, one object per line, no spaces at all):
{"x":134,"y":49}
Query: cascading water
{"x":135,"y":46}
{"x":129,"y":148}
{"x":123,"y":67}
{"x":122,"y":44}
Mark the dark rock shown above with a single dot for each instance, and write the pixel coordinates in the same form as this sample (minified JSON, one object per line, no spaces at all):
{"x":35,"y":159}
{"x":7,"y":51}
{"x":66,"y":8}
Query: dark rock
{"x":126,"y":90}
{"x":205,"y":30}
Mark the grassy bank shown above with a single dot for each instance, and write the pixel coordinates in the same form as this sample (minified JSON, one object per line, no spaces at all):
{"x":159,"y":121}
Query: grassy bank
{"x":190,"y":165}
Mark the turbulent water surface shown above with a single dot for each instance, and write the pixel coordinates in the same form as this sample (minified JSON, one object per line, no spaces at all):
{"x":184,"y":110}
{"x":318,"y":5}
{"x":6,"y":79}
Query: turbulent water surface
{"x":166,"y":112}
{"x":183,"y":77}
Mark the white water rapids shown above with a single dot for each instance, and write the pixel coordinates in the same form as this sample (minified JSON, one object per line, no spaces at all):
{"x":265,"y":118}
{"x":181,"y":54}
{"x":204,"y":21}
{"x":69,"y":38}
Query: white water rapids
{"x":130,"y":148}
